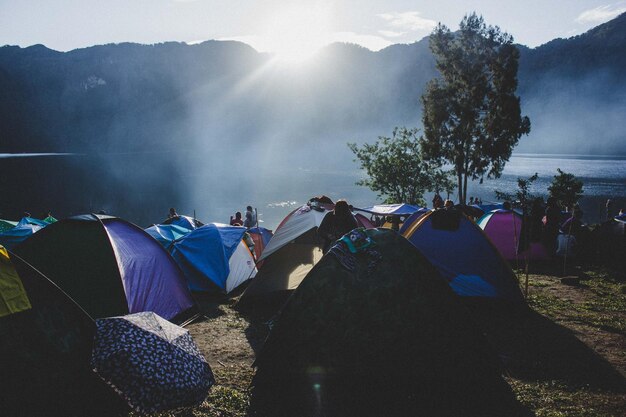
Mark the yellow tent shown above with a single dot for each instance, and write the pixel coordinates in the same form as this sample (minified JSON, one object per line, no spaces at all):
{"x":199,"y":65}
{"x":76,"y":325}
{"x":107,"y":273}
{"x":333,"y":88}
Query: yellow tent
{"x":13,"y":298}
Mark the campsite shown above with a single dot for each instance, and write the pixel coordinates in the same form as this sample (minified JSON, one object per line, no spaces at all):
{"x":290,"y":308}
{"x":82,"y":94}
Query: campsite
{"x":328,"y":208}
{"x":403,"y":317}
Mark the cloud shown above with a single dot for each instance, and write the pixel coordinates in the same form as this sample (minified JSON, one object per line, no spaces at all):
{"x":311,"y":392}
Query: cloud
{"x":601,"y":14}
{"x":371,"y":42}
{"x":408,"y":21}
{"x":391,"y":33}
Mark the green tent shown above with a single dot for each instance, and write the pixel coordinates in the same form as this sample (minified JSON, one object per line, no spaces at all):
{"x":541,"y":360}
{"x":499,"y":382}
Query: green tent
{"x":45,"y":350}
{"x":50,"y":219}
{"x":377,"y":333}
{"x":6,"y":225}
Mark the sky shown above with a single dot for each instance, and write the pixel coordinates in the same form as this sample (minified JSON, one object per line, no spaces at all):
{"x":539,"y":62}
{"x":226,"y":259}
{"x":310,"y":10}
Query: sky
{"x":285,"y":27}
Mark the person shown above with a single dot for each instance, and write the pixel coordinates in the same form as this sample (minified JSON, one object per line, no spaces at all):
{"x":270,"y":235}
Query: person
{"x":506,"y":206}
{"x":574,"y":225}
{"x":609,"y":209}
{"x":172,"y":214}
{"x":336,"y":224}
{"x":250,"y":220}
{"x":536,"y":214}
{"x":448,"y":204}
{"x":471,"y":201}
{"x":551,"y":225}
{"x":237,"y":221}
{"x":437,"y":201}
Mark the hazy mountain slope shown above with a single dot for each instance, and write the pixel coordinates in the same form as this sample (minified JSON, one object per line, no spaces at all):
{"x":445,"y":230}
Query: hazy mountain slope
{"x":129,"y":97}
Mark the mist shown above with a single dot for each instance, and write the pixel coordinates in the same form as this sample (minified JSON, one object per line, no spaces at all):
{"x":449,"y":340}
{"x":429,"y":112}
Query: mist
{"x":213,"y":127}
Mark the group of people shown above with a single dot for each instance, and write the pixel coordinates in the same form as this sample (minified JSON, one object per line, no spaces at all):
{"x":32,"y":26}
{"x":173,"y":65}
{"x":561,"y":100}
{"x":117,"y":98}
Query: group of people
{"x":439,"y":202}
{"x":249,"y":221}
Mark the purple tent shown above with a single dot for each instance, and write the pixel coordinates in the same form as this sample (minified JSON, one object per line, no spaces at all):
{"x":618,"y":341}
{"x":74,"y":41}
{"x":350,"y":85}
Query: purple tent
{"x":504,"y":228}
{"x":110,"y":267}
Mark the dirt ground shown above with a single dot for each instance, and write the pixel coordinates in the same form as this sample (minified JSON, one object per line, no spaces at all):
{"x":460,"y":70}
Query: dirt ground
{"x":563,"y":356}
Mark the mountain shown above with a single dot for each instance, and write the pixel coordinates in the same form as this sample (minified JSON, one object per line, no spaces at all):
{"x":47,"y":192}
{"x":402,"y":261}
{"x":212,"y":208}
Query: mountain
{"x":172,"y":113}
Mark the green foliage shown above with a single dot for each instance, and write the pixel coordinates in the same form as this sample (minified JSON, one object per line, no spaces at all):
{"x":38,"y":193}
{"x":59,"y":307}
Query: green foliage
{"x":522,"y":195}
{"x":472,"y":117}
{"x":396,"y":169}
{"x":566,"y":188}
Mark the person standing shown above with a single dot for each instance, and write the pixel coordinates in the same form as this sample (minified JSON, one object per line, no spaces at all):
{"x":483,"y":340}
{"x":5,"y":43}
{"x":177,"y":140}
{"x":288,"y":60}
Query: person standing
{"x":336,"y":224}
{"x":552,"y":224}
{"x":250,"y":218}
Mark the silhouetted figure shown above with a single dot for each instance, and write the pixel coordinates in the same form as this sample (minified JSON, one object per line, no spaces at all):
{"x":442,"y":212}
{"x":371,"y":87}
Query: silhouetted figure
{"x":172,"y":214}
{"x":551,"y":226}
{"x":448,"y":204}
{"x":506,"y":205}
{"x":536,"y":215}
{"x":237,"y":221}
{"x":437,"y":201}
{"x":336,"y":224}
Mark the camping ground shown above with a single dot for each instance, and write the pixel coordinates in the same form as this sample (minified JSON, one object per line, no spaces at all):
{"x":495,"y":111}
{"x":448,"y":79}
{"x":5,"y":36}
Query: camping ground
{"x":564,"y":357}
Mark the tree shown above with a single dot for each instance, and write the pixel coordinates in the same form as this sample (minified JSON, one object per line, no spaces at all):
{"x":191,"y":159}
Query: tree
{"x":566,"y":188}
{"x":522,"y":194}
{"x":395,"y":167}
{"x":471,"y":115}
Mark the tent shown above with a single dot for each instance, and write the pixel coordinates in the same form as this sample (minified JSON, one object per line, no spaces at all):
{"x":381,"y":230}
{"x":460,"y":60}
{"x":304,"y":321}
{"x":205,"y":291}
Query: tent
{"x":109,"y":267}
{"x":377,"y":333}
{"x":50,"y":219}
{"x":261,"y":237}
{"x":32,"y":221}
{"x":393,"y":209}
{"x":6,"y":225}
{"x":214,"y":256}
{"x":504,"y":229}
{"x":463,"y":254}
{"x":18,"y":234}
{"x":291,"y":253}
{"x":167,"y":234}
{"x":45,"y":348}
{"x":184,"y":221}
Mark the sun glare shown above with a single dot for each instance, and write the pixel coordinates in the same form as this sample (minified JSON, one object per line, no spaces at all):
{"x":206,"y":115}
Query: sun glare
{"x":295,"y":34}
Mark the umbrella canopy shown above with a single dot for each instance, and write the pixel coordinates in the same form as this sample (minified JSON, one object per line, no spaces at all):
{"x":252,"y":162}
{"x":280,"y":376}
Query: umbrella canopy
{"x":153,"y":364}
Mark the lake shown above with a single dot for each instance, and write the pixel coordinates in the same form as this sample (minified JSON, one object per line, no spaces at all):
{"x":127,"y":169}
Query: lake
{"x":141,"y":187}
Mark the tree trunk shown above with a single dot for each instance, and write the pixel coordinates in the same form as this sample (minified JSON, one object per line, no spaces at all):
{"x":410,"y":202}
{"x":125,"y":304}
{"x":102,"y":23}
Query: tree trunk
{"x":464,"y":190}
{"x":459,"y":176}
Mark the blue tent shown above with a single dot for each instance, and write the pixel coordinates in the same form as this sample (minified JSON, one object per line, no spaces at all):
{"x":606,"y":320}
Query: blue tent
{"x":166,"y":234}
{"x":184,"y":221}
{"x":462,"y":253}
{"x":32,"y":221}
{"x":213,"y":256}
{"x":18,"y":234}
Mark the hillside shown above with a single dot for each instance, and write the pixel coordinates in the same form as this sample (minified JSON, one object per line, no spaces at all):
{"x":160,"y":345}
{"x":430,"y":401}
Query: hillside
{"x":177,"y":124}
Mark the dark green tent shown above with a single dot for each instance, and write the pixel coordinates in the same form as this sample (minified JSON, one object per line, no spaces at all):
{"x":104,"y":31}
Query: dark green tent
{"x":45,"y":353}
{"x":377,"y":333}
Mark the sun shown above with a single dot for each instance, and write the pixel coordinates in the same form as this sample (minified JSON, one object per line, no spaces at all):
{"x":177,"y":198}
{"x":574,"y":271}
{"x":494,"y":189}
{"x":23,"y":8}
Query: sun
{"x":294,"y":34}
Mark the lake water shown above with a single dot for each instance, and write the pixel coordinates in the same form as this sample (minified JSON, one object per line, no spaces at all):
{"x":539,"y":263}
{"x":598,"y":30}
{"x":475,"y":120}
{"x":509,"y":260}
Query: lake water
{"x":74,"y":184}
